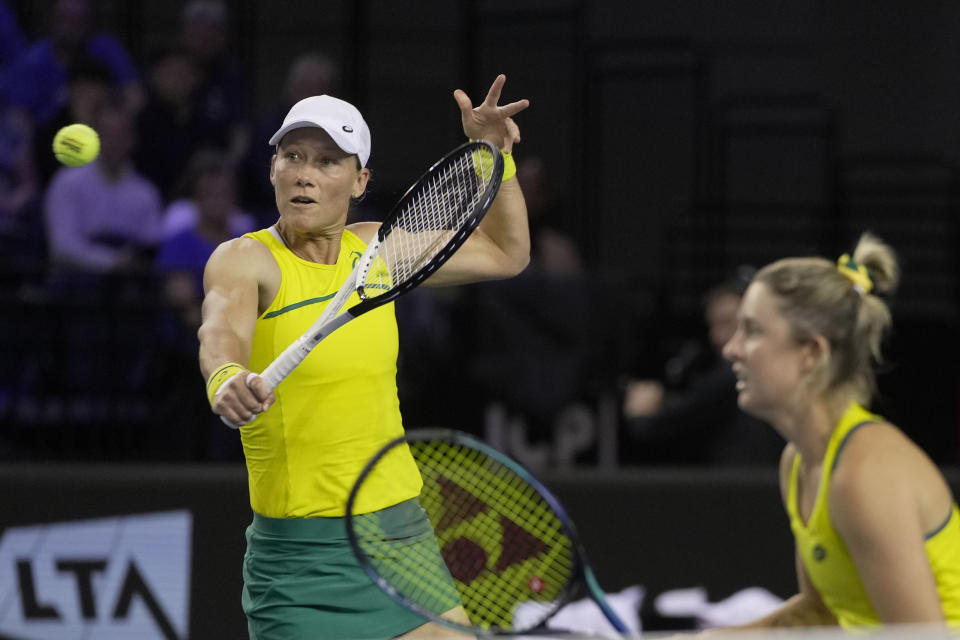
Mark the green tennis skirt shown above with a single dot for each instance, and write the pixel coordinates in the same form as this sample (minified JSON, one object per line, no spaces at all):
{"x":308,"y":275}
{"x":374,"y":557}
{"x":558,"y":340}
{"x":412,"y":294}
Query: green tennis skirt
{"x":302,"y":580}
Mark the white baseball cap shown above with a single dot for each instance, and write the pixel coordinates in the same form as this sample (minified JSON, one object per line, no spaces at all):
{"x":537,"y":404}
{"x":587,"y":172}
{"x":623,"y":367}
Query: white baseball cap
{"x":338,"y":118}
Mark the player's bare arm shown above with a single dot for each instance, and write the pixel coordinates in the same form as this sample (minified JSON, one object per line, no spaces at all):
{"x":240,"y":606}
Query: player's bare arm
{"x":877,"y":506}
{"x":500,"y":246}
{"x":240,"y":279}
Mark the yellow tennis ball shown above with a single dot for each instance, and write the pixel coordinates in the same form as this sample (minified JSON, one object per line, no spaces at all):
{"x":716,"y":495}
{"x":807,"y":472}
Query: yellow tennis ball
{"x":76,"y":144}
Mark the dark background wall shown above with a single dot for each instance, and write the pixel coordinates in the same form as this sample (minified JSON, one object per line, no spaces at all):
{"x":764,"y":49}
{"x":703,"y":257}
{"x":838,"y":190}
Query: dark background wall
{"x":620,"y":89}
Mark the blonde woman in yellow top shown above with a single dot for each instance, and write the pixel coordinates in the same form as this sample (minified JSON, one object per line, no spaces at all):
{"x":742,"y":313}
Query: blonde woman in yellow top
{"x":877,"y":530}
{"x":306,"y":442}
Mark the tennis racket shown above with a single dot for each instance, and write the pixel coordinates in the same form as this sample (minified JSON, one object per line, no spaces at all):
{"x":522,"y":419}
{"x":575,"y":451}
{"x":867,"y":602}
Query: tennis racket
{"x":426,"y":226}
{"x":501,"y":541}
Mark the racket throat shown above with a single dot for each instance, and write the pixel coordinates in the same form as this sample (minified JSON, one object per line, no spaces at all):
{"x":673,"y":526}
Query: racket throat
{"x":326,"y":330}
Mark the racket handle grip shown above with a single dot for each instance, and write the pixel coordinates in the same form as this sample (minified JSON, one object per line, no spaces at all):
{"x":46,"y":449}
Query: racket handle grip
{"x":285,"y":363}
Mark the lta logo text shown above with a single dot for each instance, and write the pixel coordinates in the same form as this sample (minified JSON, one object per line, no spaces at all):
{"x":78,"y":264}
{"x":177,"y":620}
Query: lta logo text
{"x":108,"y":578}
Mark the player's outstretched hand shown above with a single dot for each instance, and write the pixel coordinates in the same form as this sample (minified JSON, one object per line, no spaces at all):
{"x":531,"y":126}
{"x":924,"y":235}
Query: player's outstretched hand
{"x":488,"y":120}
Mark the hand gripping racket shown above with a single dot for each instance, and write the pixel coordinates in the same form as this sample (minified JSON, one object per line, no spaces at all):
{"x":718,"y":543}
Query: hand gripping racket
{"x":501,"y":541}
{"x":426,"y":226}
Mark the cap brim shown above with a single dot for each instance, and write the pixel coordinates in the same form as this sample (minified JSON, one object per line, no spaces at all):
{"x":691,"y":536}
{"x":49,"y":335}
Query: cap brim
{"x":300,"y":124}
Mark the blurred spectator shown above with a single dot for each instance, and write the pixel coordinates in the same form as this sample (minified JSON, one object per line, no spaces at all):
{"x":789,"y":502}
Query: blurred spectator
{"x":532,"y":337}
{"x":21,"y":232}
{"x":552,"y":246}
{"x":222,"y":95}
{"x":209,"y":181}
{"x":533,"y":331}
{"x":89,"y":91}
{"x":171,"y":125}
{"x":193,"y":226}
{"x":18,"y":185}
{"x":103,"y":217}
{"x":37,"y":80}
{"x":697,"y":419}
{"x":12,"y":41}
{"x":310,"y":74}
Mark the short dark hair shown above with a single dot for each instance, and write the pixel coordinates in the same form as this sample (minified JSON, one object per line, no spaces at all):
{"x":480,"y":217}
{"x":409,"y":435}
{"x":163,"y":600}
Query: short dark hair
{"x":733,"y":285}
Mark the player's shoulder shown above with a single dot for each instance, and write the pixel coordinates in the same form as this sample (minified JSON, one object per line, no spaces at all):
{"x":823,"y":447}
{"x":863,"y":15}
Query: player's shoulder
{"x":364,"y":230}
{"x":875,"y":452}
{"x":244,"y":246}
{"x":242,"y":254}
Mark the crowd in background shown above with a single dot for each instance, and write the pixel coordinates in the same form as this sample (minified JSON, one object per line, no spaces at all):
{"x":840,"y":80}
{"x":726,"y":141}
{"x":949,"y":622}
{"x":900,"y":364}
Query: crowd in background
{"x":177,"y":174}
{"x":176,"y":158}
{"x":105,"y":262}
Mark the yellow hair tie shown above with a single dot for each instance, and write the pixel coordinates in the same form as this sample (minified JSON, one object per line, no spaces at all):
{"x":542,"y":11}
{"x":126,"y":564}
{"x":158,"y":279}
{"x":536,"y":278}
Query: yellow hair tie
{"x":856,"y":273}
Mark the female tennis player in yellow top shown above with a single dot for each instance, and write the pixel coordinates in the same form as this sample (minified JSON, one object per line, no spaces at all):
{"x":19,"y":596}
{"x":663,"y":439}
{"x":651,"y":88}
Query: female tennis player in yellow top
{"x":877,"y":530}
{"x":306,"y":442}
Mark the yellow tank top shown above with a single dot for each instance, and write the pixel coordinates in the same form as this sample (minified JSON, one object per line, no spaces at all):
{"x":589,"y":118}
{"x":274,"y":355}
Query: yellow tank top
{"x":336,"y":409}
{"x":828,"y":561}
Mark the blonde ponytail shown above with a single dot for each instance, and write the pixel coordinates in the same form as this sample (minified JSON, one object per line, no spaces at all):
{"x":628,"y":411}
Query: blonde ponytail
{"x":839,"y":301}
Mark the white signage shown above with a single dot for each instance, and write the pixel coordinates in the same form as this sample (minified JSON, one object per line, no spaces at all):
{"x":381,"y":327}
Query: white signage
{"x":110,"y":578}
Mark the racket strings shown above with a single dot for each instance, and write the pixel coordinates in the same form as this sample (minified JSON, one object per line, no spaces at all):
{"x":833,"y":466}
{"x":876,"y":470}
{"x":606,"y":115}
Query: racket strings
{"x":496,"y":537}
{"x":441,"y":207}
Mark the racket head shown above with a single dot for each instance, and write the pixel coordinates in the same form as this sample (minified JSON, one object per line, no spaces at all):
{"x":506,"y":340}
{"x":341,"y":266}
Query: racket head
{"x":430,"y":222}
{"x":502,"y":540}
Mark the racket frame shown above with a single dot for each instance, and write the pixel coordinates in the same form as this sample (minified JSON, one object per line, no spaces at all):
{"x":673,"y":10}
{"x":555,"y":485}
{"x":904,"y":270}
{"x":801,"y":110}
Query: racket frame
{"x":582,"y":577}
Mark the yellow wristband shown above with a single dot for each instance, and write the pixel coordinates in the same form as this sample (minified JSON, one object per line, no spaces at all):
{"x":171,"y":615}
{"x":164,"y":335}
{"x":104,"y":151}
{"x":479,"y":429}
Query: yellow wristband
{"x":223,"y":373}
{"x":509,"y":166}
{"x":483,"y":164}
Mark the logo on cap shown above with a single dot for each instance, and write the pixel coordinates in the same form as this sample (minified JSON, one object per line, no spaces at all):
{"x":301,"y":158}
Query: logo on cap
{"x":348,"y":128}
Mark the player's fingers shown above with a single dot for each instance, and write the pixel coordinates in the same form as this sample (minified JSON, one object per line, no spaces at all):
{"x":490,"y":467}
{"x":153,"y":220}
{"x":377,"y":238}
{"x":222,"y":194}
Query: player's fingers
{"x":235,"y":420}
{"x":240,"y":418}
{"x":242,"y":414}
{"x":249,"y":402}
{"x":260,"y":391}
{"x":231,"y":411}
{"x":463,"y":101}
{"x":514,"y":108}
{"x":237,"y":395}
{"x":493,"y":96}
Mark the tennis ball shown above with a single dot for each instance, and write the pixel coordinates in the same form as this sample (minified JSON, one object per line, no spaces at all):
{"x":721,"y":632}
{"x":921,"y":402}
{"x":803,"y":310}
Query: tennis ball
{"x":76,"y":144}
